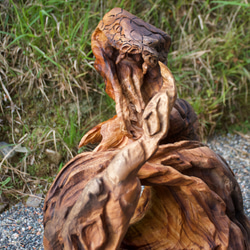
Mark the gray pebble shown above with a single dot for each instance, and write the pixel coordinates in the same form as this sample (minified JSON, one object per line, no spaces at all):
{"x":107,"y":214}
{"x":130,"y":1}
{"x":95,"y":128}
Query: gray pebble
{"x":21,"y":227}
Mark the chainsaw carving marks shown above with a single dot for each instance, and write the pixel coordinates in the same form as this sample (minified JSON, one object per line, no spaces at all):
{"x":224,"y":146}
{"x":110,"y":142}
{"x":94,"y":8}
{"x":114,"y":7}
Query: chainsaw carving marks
{"x":127,"y":52}
{"x":191,"y":199}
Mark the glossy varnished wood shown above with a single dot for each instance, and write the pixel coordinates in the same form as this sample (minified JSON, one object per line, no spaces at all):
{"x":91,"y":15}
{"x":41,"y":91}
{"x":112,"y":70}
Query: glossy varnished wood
{"x":191,"y":199}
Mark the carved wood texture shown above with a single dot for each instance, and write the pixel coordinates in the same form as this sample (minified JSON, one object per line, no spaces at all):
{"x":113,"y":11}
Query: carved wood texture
{"x":190,"y":200}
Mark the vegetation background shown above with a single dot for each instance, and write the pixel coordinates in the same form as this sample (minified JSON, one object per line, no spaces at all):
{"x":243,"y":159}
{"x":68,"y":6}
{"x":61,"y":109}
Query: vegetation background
{"x":50,"y":94}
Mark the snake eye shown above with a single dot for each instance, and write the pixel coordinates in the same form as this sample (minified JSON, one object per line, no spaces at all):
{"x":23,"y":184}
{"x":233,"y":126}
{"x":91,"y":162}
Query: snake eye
{"x":117,"y":28}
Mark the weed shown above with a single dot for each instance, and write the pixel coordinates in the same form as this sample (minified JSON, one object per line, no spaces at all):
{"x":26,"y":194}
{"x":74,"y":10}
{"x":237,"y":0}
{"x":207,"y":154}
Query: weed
{"x":4,"y":185}
{"x":50,"y":92}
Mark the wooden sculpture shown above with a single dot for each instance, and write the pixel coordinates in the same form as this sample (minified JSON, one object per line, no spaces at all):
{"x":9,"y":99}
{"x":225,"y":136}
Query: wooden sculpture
{"x":190,"y":199}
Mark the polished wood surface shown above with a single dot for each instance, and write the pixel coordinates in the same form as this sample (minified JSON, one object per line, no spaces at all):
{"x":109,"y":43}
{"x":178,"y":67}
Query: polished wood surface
{"x":190,"y":197}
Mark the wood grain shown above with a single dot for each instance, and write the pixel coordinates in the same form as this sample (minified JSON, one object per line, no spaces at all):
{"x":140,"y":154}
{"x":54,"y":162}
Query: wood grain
{"x":190,"y":200}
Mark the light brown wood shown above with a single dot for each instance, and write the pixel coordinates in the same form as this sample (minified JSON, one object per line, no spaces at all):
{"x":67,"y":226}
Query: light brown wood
{"x":190,"y":200}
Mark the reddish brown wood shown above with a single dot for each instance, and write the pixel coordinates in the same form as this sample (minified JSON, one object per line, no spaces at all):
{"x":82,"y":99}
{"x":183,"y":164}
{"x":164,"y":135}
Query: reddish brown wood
{"x":191,"y":199}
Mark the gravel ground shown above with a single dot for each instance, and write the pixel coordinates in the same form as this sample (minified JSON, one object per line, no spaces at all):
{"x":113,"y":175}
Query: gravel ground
{"x":21,"y":227}
{"x":235,"y":149}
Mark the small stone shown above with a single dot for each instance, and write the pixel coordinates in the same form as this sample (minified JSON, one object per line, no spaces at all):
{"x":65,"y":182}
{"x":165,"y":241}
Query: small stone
{"x":6,"y":149}
{"x":15,"y":235}
{"x":53,"y":156}
{"x":34,"y":201}
{"x":20,"y":149}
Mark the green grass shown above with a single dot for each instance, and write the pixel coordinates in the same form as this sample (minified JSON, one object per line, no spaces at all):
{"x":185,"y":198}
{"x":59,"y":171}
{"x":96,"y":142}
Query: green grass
{"x":51,"y":94}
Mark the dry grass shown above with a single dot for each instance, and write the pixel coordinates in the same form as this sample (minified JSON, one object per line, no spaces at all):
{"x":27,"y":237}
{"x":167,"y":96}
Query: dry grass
{"x":50,"y":93}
